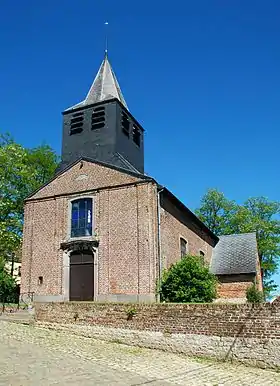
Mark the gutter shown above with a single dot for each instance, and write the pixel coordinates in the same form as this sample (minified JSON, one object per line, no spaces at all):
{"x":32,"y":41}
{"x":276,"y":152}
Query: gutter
{"x":159,"y":241}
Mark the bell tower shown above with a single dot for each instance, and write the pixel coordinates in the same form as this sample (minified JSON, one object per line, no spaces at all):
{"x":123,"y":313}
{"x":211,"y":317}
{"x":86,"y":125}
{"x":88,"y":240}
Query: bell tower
{"x":101,"y":127}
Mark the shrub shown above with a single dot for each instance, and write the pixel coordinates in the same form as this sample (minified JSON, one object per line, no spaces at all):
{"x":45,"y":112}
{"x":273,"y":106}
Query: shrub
{"x":188,"y":281}
{"x":130,"y":313}
{"x":253,"y":295}
{"x":7,"y":284}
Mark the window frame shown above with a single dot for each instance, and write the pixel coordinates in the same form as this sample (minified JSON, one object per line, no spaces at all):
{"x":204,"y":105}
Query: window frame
{"x":181,"y":238}
{"x":69,"y":222}
{"x":201,"y":253}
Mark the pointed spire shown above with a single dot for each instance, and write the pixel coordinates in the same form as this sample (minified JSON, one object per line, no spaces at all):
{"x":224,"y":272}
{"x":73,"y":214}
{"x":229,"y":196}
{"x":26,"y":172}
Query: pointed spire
{"x":104,"y":87}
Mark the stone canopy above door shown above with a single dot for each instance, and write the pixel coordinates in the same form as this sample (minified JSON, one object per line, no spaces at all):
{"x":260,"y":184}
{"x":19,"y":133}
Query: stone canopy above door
{"x":79,"y":245}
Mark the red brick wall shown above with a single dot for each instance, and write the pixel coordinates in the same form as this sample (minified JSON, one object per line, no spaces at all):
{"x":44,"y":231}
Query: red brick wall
{"x":234,"y":286}
{"x":246,"y":333}
{"x":128,"y":248}
{"x":243,"y":320}
{"x":45,"y":228}
{"x":172,"y":229}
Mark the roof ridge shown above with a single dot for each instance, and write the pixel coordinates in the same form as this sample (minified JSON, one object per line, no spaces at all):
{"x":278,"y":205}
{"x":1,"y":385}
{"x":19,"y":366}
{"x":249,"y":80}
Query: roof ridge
{"x":238,"y":234}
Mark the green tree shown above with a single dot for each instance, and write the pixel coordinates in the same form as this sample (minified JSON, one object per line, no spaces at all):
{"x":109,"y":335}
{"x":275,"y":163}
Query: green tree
{"x":7,"y":283}
{"x":188,"y":281}
{"x":217,"y":212}
{"x":22,"y":171}
{"x":258,"y":215}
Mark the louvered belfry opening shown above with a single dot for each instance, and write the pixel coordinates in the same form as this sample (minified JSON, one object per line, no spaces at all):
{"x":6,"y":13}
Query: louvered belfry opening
{"x":125,"y":124}
{"x":136,"y":135}
{"x":98,"y":118}
{"x":76,"y":124}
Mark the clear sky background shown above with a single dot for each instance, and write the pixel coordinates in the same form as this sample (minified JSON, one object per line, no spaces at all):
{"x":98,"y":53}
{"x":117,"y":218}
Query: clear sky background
{"x":202,"y":77}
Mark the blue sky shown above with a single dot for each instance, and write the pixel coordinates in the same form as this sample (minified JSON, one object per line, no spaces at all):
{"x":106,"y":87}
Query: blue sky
{"x":202,"y":77}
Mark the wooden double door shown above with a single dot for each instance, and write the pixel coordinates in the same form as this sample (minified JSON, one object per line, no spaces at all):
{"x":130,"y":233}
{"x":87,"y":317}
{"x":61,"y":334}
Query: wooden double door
{"x":81,"y":276}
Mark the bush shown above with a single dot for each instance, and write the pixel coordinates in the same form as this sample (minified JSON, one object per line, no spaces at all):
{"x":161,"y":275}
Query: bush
{"x":188,"y":281}
{"x":253,"y":295}
{"x":7,"y":284}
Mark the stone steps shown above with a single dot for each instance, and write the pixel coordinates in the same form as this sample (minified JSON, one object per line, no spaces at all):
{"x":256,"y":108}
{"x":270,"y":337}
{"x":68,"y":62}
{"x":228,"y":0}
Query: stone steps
{"x":18,"y":317}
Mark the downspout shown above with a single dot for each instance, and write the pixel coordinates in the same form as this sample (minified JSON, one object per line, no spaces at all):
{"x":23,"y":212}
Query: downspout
{"x":159,"y":243}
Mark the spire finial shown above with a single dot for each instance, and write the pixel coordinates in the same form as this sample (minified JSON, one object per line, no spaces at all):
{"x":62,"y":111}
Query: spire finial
{"x":106,"y":38}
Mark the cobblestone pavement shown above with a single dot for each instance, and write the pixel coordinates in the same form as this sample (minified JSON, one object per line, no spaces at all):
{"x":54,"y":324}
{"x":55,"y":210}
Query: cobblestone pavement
{"x":30,"y":355}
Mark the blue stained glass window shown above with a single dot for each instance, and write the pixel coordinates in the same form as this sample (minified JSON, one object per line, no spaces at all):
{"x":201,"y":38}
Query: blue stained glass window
{"x":81,"y":217}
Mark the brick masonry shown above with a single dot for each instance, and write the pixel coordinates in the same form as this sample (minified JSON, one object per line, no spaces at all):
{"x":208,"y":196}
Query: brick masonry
{"x":171,"y":232}
{"x":233,"y":287}
{"x":245,"y":333}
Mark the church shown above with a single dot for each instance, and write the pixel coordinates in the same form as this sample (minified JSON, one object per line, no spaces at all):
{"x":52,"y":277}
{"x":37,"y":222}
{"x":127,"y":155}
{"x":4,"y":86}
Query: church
{"x":103,"y":230}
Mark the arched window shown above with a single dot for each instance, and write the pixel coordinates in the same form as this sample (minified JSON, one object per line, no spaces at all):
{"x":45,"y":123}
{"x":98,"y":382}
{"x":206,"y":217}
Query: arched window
{"x":183,"y":247}
{"x":81,"y":217}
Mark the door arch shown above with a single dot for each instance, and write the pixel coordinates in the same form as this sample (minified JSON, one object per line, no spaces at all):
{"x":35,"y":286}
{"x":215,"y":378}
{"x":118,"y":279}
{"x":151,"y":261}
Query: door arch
{"x":81,"y":276}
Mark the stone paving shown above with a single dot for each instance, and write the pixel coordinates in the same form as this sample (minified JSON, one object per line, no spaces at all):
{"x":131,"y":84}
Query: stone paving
{"x":30,"y":355}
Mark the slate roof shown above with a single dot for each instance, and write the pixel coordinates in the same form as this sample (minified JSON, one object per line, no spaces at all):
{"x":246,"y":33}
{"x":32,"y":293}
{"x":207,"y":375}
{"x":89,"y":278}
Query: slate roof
{"x":104,"y":87}
{"x":235,"y":254}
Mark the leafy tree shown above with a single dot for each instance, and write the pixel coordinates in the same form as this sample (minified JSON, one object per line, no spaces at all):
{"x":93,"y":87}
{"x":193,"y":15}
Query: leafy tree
{"x":22,"y":171}
{"x":7,"y":283}
{"x":258,"y":215}
{"x":217,"y":212}
{"x":188,"y":281}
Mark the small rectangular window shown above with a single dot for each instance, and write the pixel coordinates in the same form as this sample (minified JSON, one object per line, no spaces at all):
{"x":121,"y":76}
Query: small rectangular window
{"x":40,"y":280}
{"x":125,"y":124}
{"x":136,"y":135}
{"x":201,"y":253}
{"x":183,"y":247}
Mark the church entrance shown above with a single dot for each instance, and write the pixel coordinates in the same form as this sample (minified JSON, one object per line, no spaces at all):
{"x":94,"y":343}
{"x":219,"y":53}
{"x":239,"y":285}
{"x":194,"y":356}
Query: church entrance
{"x":81,"y":275}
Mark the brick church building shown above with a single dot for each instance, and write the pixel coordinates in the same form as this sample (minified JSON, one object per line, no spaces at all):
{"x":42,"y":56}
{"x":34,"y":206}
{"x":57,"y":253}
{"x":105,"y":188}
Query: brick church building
{"x":102,"y":229}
